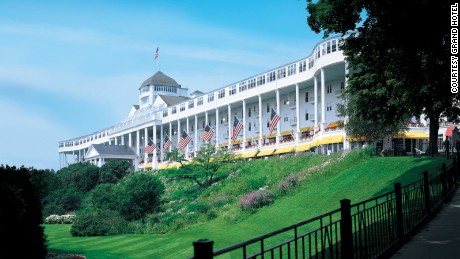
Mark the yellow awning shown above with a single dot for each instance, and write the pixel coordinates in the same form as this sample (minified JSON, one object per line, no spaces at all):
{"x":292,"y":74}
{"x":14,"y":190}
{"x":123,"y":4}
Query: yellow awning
{"x":163,"y":166}
{"x":315,"y":143}
{"x":303,"y":147}
{"x":287,"y":132}
{"x":223,"y":144}
{"x":236,"y":142}
{"x":148,"y":166}
{"x":256,"y":138}
{"x":415,"y":135}
{"x":283,"y":150}
{"x":271,"y":135}
{"x":332,"y":139}
{"x":248,"y":139}
{"x":249,"y":154}
{"x":353,"y":139}
{"x":334,"y":124}
{"x":304,"y":129}
{"x":266,"y":152}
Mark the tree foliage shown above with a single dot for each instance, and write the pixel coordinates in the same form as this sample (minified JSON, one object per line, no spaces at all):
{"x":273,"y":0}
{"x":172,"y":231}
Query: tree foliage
{"x":20,"y":215}
{"x":114,"y":170}
{"x":398,"y":55}
{"x":203,"y":168}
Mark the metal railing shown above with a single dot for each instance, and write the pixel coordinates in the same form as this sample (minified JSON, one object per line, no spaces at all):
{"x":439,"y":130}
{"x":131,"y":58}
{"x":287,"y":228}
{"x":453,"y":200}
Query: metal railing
{"x":369,"y":229}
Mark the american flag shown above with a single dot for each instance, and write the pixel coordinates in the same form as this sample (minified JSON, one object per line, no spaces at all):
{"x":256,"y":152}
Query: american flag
{"x":150,"y":147}
{"x":237,"y":127}
{"x":207,"y":133}
{"x":274,"y":119}
{"x":167,"y":143}
{"x":156,"y":52}
{"x":184,"y":139}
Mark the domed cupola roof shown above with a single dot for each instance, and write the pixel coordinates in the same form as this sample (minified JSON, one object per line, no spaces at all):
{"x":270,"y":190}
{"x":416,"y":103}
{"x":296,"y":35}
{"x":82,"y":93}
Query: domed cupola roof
{"x":160,"y":79}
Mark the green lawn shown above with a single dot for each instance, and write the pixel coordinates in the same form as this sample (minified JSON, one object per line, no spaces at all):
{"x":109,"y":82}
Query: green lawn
{"x":356,"y":179}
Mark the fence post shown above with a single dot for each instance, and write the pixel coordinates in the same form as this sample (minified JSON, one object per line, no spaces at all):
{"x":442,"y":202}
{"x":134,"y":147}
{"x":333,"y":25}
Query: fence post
{"x":399,"y":211}
{"x":426,"y":191}
{"x":444,"y":180}
{"x":346,"y":234}
{"x":203,"y":249}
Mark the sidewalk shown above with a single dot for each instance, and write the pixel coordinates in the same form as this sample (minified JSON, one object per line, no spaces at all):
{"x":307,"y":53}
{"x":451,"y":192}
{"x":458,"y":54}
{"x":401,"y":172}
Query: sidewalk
{"x":440,"y":238}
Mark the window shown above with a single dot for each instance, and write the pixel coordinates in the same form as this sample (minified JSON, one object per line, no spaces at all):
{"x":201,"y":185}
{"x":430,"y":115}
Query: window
{"x":306,"y":116}
{"x":318,"y":52}
{"x":249,"y":126}
{"x":306,"y":97}
{"x":323,"y":47}
{"x":281,"y":73}
{"x":145,"y":89}
{"x":182,"y":107}
{"x":165,"y":113}
{"x":221,"y":93}
{"x":286,"y":118}
{"x":249,"y":113}
{"x":292,"y":69}
{"x":302,"y":65}
{"x":173,"y":110}
{"x":328,"y":47}
{"x":144,"y":100}
{"x":243,"y":86}
{"x":191,"y":104}
{"x":311,"y":62}
{"x":271,"y":76}
{"x":199,"y":101}
{"x":260,"y":80}
{"x":328,"y":107}
{"x":203,"y":125}
{"x":251,"y":83}
{"x":286,"y":99}
{"x":342,"y":86}
{"x":268,"y":107}
{"x":334,"y":45}
{"x":329,"y":89}
{"x":210,"y":97}
{"x":232,"y":90}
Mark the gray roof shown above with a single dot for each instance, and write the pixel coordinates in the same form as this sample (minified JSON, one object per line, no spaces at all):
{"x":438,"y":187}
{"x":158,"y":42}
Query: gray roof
{"x":113,"y":150}
{"x":173,"y":100}
{"x":160,"y":79}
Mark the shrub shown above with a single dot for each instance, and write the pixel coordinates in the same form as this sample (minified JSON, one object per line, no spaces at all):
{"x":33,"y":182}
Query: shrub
{"x":57,"y":219}
{"x":288,"y":183}
{"x":257,"y":199}
{"x":99,"y":223}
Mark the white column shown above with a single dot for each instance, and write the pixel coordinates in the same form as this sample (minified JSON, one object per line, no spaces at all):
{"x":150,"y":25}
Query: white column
{"x":323,"y":100}
{"x":217,"y":128}
{"x":122,"y":140}
{"x":206,"y":121}
{"x":229,"y":126}
{"x":278,"y":130}
{"x":116,"y":140}
{"x":187,"y":129}
{"x":146,"y":140}
{"x":315,"y":94}
{"x":130,"y":139}
{"x":161,"y":142}
{"x":178,"y":132}
{"x":196,"y":134}
{"x":297,"y":113}
{"x":154,"y":158}
{"x":137,"y":148}
{"x":261,"y":129}
{"x":244,"y":123}
{"x":110,"y":141}
{"x":170,"y":136}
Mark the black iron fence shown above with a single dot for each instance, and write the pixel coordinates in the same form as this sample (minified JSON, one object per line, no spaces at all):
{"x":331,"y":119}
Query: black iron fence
{"x":368,"y":229}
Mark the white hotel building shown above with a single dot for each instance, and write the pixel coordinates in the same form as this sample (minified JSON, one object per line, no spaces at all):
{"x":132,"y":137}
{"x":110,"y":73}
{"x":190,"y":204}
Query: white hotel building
{"x":304,"y":93}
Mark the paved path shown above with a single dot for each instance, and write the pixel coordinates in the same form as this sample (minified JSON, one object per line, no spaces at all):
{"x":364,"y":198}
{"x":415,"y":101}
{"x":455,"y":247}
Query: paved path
{"x":440,"y":238}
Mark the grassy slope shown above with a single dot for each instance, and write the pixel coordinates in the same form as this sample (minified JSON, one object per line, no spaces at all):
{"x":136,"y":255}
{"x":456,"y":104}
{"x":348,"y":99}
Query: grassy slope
{"x":319,"y":193}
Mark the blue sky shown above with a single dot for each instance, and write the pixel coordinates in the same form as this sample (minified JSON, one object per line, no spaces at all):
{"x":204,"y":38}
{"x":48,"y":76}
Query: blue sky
{"x":70,"y":68}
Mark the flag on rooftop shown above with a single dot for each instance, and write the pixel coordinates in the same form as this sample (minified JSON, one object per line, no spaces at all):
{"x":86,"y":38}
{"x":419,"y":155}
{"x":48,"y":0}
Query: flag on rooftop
{"x":184,"y":139}
{"x":207,"y":134}
{"x":237,"y":127}
{"x":167,"y":143}
{"x":157,"y":52}
{"x":274,"y":119}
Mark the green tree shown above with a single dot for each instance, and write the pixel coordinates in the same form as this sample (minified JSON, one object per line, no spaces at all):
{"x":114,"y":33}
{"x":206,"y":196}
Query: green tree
{"x":141,"y":195}
{"x":20,"y":215}
{"x":398,"y":55}
{"x":114,"y":170}
{"x":82,"y":176}
{"x":203,"y":168}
